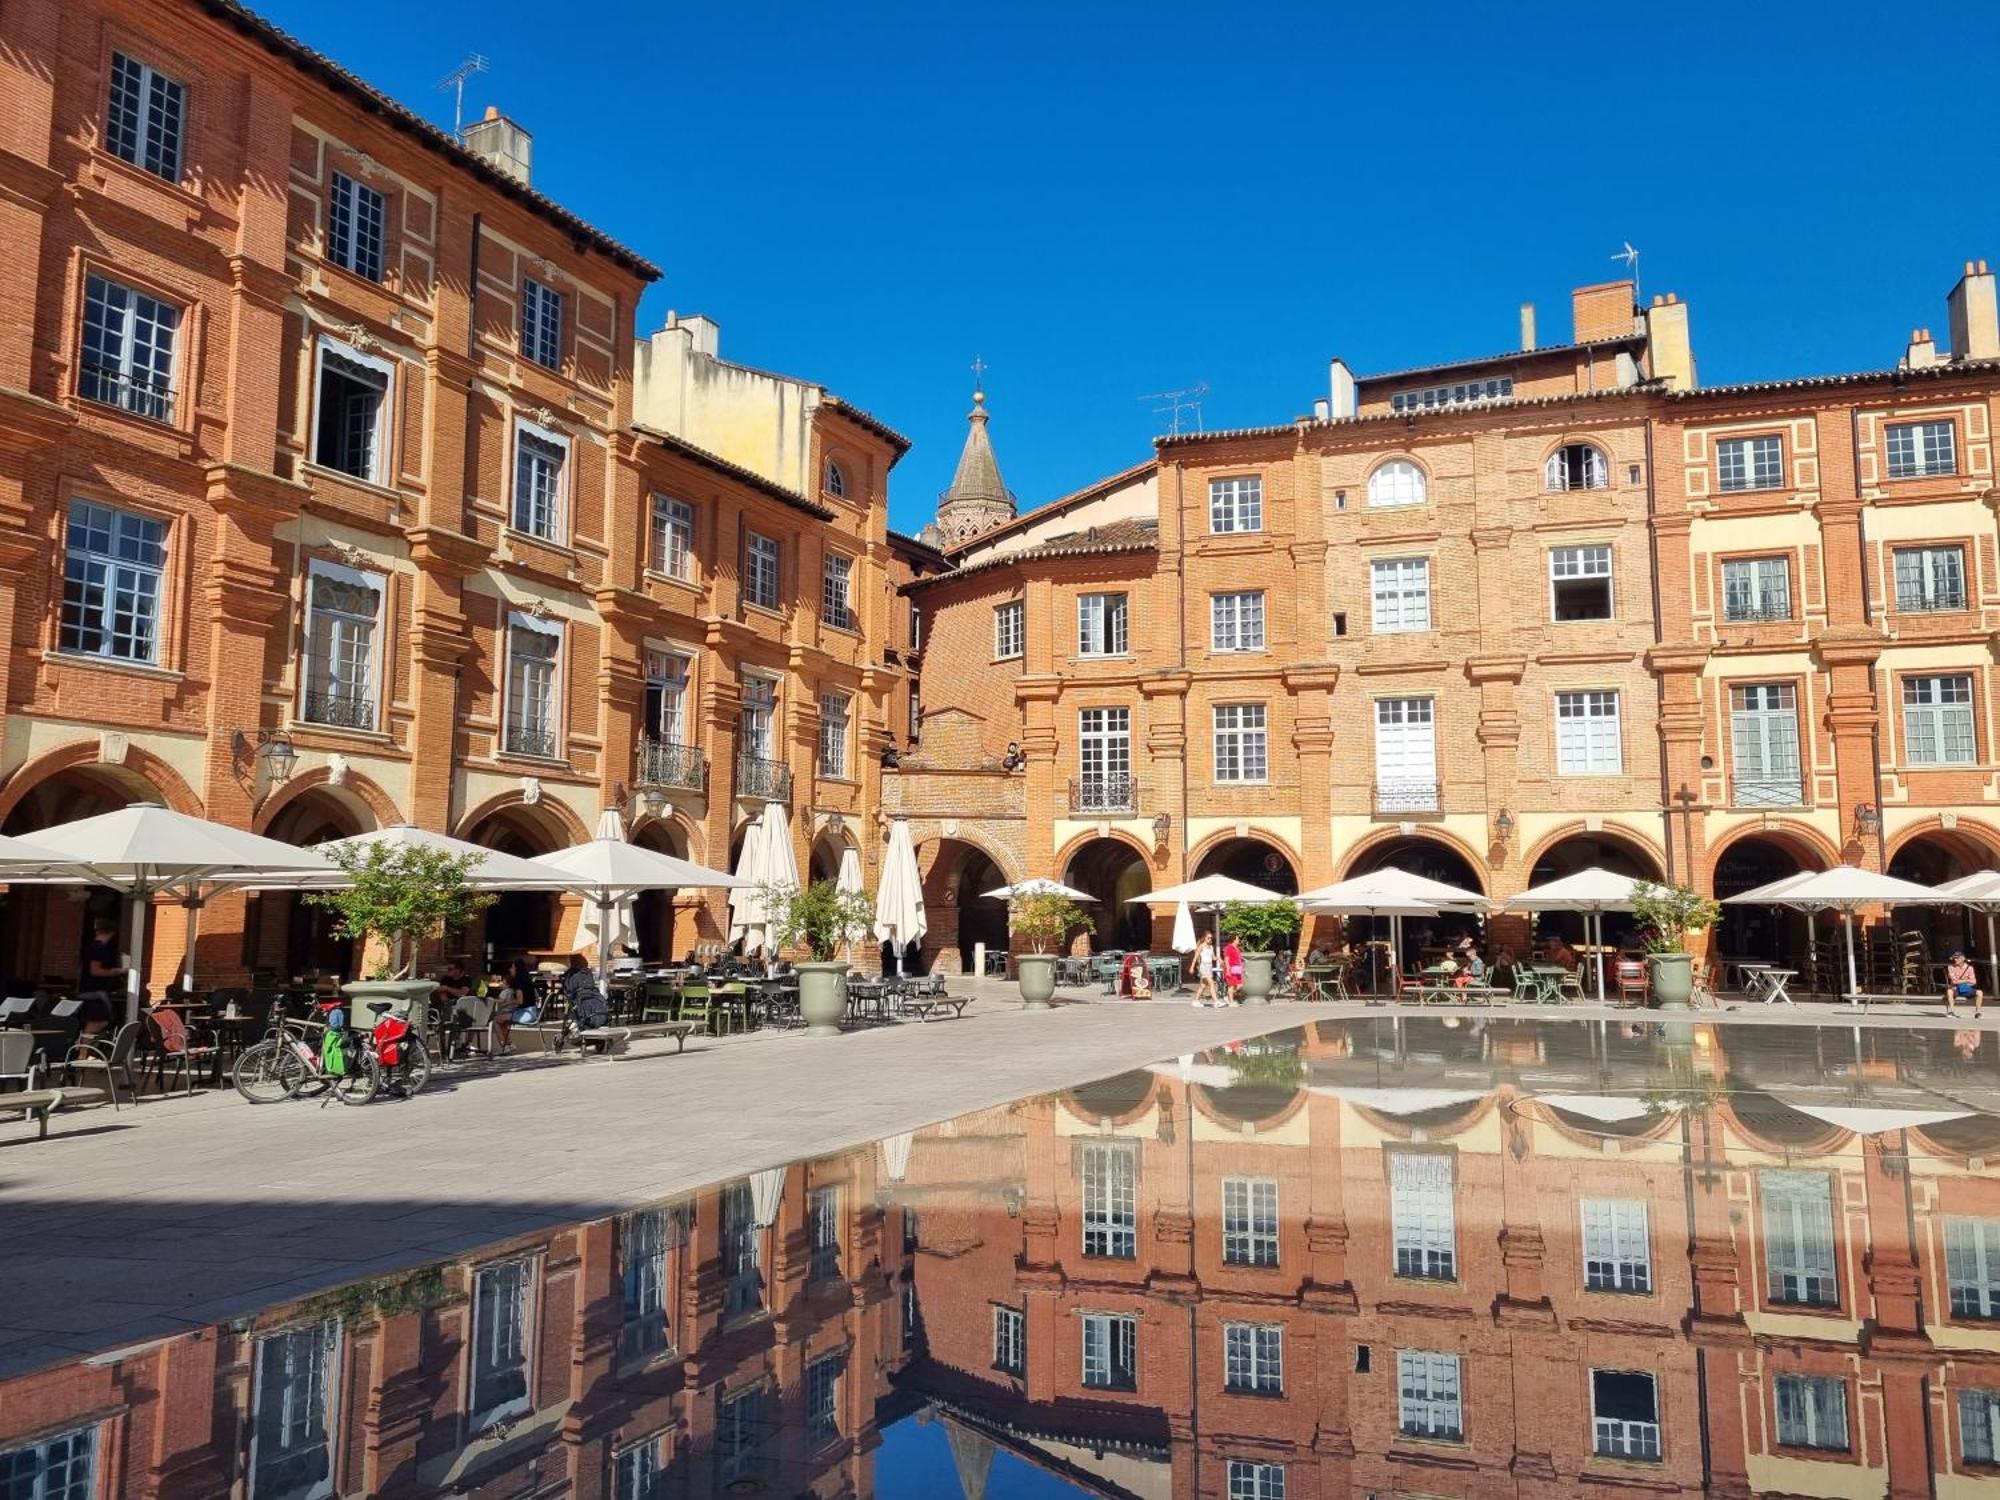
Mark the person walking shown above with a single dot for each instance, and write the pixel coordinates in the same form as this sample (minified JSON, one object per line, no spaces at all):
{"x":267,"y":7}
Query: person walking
{"x":1205,"y":967}
{"x":1232,"y":969}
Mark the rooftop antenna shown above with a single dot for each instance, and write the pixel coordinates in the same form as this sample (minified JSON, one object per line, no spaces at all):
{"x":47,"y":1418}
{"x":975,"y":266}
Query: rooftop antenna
{"x":455,"y":81}
{"x":1631,"y":259}
{"x":1186,"y":401}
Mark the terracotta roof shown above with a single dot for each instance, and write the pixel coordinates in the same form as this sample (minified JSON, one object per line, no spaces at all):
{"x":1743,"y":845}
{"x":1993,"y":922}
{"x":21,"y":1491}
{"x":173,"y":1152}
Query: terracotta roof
{"x":736,"y":471}
{"x":1056,"y":507}
{"x":405,"y":119}
{"x":1471,"y":408}
{"x":874,"y":424}
{"x":1130,"y":534}
{"x":1590,"y":346}
{"x":1898,"y":376}
{"x":917,"y":547}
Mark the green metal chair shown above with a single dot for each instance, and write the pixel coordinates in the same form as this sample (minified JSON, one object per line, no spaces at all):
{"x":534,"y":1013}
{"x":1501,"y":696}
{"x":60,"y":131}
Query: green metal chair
{"x":695,"y":1005}
{"x":659,"y":1001}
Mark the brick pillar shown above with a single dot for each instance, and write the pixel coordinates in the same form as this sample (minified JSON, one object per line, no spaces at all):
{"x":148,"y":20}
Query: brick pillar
{"x":1038,"y":1273}
{"x":621,"y":686}
{"x":1853,"y":721}
{"x":438,"y":647}
{"x":1313,"y":739}
{"x":1047,"y":795}
{"x":1498,"y":679}
{"x":1163,"y":788}
{"x":30,"y":36}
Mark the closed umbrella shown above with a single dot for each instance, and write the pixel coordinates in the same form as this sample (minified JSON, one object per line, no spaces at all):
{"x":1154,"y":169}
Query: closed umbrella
{"x":848,"y":883}
{"x":899,"y":900}
{"x":746,"y":901}
{"x":1591,"y":892}
{"x":1184,"y":939}
{"x":1843,"y":889}
{"x":781,"y":865}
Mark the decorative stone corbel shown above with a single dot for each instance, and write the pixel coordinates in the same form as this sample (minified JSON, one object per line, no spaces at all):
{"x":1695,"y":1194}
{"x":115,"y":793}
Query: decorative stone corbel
{"x":531,"y":790}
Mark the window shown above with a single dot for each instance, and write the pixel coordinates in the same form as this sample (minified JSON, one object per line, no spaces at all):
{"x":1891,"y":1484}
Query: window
{"x":1250,"y":1480}
{"x":1919,"y":450}
{"x":1587,"y":740}
{"x":113,"y":566}
{"x":823,"y":1399}
{"x":1580,"y":583}
{"x":833,"y":717}
{"x":916,"y":725}
{"x":1576,"y":466}
{"x":54,"y":1468}
{"x":1929,"y":579}
{"x":835,"y":589}
{"x":823,"y":1229}
{"x":1405,"y":755}
{"x":534,"y":651}
{"x":541,"y":323}
{"x":739,"y":1437}
{"x":1798,"y":1237}
{"x":350,"y":433}
{"x":1009,"y":630}
{"x":1398,"y":482}
{"x":1459,"y":393}
{"x":1100,"y":625}
{"x":342,"y":608}
{"x":642,"y":1257}
{"x":1241,"y":742}
{"x":1812,"y":1411}
{"x":1236,"y":622}
{"x":1236,"y":504}
{"x":641,"y":1472}
{"x":760,"y":571}
{"x":290,"y":1457}
{"x":1420,"y":1209}
{"x":1756,"y":588}
{"x":539,"y":460}
{"x":1937,"y":721}
{"x":128,"y":350}
{"x":501,"y":1330}
{"x":1617,"y":1249}
{"x":1010,"y":1340}
{"x":1972,"y":1266}
{"x":916,"y":626}
{"x":1427,"y":1395}
{"x":666,"y":696}
{"x":673,"y":538}
{"x":1401,"y":587}
{"x":1110,"y":1343}
{"x":836,"y":480}
{"x":1764,"y":733}
{"x":1110,"y":1223}
{"x":1978,"y":1427}
{"x":1624,"y":1415}
{"x":1253,"y":1358}
{"x":146,"y":119}
{"x":742,"y":1251}
{"x":354,"y":218}
{"x":1249,"y":1221}
{"x":759,"y":717}
{"x":1749,"y":463}
{"x":1104,"y":759}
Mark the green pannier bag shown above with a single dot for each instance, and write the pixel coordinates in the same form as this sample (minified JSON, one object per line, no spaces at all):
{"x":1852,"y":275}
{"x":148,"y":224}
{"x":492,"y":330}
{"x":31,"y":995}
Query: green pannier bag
{"x":333,"y":1054}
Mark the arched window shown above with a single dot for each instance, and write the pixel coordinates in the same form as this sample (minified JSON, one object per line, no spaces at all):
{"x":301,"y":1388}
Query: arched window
{"x":1578,"y":466}
{"x":836,"y":480}
{"x":1398,"y":482}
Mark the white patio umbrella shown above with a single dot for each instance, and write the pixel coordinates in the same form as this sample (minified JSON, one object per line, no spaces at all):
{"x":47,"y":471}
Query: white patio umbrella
{"x":1205,"y":890}
{"x":848,"y":883}
{"x":494,"y":871}
{"x":899,"y":900}
{"x":1362,"y":896}
{"x":1843,"y":889}
{"x":1769,"y":894}
{"x":1874,"y":1119}
{"x":1184,"y":940}
{"x":1591,"y":892}
{"x":746,"y":901}
{"x":1039,"y":886}
{"x":146,"y":850}
{"x":1980,"y":891}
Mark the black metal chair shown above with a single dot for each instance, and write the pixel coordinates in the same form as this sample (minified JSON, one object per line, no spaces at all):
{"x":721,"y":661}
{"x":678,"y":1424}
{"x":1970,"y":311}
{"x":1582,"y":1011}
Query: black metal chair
{"x":91,"y":1055}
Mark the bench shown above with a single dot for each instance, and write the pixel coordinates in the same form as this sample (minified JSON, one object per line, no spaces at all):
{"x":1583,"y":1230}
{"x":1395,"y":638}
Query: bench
{"x":39,"y":1104}
{"x":934,"y":1008}
{"x":617,"y":1040}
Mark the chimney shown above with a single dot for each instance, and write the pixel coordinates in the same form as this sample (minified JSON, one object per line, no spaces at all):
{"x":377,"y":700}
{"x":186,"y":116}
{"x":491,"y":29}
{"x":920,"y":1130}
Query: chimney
{"x":703,"y":334}
{"x":1342,"y":398}
{"x":1975,"y":314}
{"x":1322,"y":409}
{"x":1527,"y":328}
{"x":1922,"y":353}
{"x":1604,"y":311}
{"x":1669,"y":345}
{"x":501,"y":144}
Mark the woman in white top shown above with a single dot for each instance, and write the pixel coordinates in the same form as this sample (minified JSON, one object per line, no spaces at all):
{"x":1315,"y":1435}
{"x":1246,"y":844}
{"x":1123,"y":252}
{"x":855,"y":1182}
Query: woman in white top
{"x":1205,"y":967}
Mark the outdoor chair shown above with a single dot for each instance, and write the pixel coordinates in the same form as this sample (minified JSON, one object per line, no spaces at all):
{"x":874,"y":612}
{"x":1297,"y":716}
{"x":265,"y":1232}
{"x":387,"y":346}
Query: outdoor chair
{"x":91,"y":1055}
{"x":659,"y":1002}
{"x":17,"y":1059}
{"x":1631,"y":981}
{"x":696,"y":1005}
{"x":1104,"y":968}
{"x":175,"y":1049}
{"x":1527,"y":988}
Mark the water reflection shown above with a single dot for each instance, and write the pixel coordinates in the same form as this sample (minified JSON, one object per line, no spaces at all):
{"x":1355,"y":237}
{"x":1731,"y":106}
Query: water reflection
{"x":1382,"y":1258}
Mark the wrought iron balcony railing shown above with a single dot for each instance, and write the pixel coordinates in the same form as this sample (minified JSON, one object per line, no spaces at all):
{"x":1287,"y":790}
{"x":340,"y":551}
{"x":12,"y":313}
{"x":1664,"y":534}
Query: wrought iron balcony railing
{"x":1392,"y":797}
{"x":1104,"y":794}
{"x":770,"y":780}
{"x":1756,"y":611}
{"x":526,"y":739}
{"x":681,"y":767}
{"x":340,"y":710}
{"x":133,"y":393}
{"x":1768,"y":791}
{"x":1935,"y":602}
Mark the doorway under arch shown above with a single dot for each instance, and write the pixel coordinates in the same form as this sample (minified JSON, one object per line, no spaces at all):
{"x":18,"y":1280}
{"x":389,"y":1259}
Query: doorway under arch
{"x":653,"y":912}
{"x":1932,"y":859}
{"x":1583,"y":851}
{"x":290,"y":936}
{"x":1777,"y":934}
{"x":980,"y":918}
{"x":1111,"y":872}
{"x":519,"y":923}
{"x":1253,"y":861}
{"x":1433,"y":859}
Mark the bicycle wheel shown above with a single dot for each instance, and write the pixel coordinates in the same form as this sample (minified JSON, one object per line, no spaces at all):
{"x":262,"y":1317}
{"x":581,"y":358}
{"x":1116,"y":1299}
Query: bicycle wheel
{"x":268,"y":1072}
{"x":361,"y":1080}
{"x":414,"y":1071}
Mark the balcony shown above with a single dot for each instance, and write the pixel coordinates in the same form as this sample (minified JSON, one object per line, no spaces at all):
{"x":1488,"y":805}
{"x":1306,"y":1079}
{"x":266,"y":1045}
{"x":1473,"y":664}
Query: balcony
{"x":763,"y":780}
{"x":677,"y":767}
{"x":137,"y":394}
{"x":1756,"y":611}
{"x":1934,"y":602}
{"x":339,"y":710}
{"x":527,"y":739}
{"x":1398,"y":798}
{"x":1768,"y":791}
{"x":1104,"y":794}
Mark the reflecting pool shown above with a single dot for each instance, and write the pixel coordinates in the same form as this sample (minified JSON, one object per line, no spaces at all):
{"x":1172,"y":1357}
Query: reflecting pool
{"x":1419,"y":1256}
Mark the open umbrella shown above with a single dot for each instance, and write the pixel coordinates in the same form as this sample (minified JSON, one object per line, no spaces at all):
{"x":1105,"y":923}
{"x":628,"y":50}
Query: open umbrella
{"x":899,"y":900}
{"x":1363,"y":896}
{"x":1039,"y":886}
{"x":1843,"y":889}
{"x":1980,"y":891}
{"x":1592,"y":892}
{"x":1206,"y":890}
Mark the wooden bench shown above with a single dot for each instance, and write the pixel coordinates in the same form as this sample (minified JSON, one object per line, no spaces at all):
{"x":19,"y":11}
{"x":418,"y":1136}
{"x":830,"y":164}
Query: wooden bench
{"x":39,"y":1104}
{"x":617,"y":1040}
{"x":933,"y":1008}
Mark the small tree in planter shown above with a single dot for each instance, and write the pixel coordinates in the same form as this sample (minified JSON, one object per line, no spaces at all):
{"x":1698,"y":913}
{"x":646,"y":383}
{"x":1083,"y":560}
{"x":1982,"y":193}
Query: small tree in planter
{"x":818,"y":918}
{"x":1041,"y":919}
{"x":1260,"y":929}
{"x":1667,"y":914}
{"x":402,"y":895}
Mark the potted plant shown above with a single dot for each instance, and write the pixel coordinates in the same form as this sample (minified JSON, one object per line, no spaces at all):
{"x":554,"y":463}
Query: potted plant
{"x":1667,"y":914}
{"x":818,"y":918}
{"x":400,"y":896}
{"x":1041,"y":919}
{"x":1260,"y":928}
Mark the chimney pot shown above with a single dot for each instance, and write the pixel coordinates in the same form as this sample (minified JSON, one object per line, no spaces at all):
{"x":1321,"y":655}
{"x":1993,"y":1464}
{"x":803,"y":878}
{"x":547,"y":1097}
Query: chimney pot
{"x":1527,"y":327}
{"x":1982,"y":268}
{"x":1969,"y":269}
{"x":1973,"y":313}
{"x":492,"y":112}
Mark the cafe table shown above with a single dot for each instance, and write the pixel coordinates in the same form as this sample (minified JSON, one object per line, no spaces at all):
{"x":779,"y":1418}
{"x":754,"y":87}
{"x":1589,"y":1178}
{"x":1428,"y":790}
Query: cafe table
{"x":1436,"y":983}
{"x":1164,"y":969}
{"x":1549,"y":982}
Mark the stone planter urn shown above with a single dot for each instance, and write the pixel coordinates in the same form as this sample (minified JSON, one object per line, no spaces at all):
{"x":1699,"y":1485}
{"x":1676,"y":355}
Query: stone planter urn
{"x":823,"y":997}
{"x":1037,"y":972}
{"x":408,"y":998}
{"x":1672,"y":979}
{"x":1256,"y":986}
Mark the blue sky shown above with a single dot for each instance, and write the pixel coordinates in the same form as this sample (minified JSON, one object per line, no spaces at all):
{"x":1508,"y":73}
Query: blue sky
{"x":1107,"y":200}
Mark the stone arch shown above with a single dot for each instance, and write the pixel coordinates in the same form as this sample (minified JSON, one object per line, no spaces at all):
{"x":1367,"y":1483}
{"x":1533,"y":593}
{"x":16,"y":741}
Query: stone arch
{"x":284,"y":934}
{"x":823,"y":855}
{"x":1643,"y":846}
{"x":367,"y":803}
{"x":141,"y":776}
{"x":1361,"y":853}
{"x":1929,"y":853}
{"x":1802,"y":839}
{"x":1576,"y":846}
{"x":1119,"y":1100}
{"x":1439,"y":1123}
{"x":959,"y":916}
{"x":1776,"y":933}
{"x":1090,"y":863}
{"x":1972,"y":841}
{"x":1117,"y":835}
{"x":682,"y":834}
{"x":1766,"y":1123}
{"x":521,"y":922}
{"x":1213,"y":846}
{"x":1253,"y":1107}
{"x":667,"y":923}
{"x":550,"y":814}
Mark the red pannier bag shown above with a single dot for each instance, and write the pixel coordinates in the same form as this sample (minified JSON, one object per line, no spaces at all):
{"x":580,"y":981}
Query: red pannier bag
{"x":389,"y":1033}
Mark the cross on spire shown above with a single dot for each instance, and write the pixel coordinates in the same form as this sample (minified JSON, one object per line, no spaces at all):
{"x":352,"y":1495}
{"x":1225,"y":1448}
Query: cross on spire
{"x":978,"y":378}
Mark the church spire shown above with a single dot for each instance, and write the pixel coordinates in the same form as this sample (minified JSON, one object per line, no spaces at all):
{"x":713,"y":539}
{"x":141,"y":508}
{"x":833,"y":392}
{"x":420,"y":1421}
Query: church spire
{"x":978,"y":499}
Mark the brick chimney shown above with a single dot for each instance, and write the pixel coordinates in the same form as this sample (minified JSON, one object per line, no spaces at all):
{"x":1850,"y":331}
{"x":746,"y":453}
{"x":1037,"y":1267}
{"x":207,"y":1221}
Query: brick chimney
{"x":1974,"y":314}
{"x":502,"y":144}
{"x":1669,"y":344}
{"x":1604,"y":311}
{"x":1923,"y":352}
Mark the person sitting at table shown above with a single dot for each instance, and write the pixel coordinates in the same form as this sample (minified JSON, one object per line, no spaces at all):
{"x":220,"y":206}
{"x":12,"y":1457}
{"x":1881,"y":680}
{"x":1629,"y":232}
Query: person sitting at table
{"x":1503,"y":968}
{"x":1561,"y":954}
{"x":516,"y":1001}
{"x":1471,"y":967}
{"x":1961,"y":982}
{"x":454,"y":983}
{"x":104,"y":975}
{"x":581,"y":995}
{"x":1317,"y":955}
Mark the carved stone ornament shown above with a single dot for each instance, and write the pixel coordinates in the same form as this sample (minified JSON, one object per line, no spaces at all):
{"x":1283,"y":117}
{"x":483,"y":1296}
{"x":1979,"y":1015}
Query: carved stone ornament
{"x":541,"y":416}
{"x":531,"y":790}
{"x":113,"y":747}
{"x":545,"y":269}
{"x":358,"y":336}
{"x":348,"y":553}
{"x":540,"y":609}
{"x":336,"y":770}
{"x":364,"y":165}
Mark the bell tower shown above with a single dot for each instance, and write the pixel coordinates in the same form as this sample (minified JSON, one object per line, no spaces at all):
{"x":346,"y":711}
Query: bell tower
{"x":978,"y":499}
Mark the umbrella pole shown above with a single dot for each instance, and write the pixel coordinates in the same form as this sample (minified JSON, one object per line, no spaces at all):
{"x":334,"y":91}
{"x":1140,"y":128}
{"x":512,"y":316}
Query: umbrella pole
{"x":604,"y":945}
{"x":1599,"y":915}
{"x":1853,"y":979}
{"x":192,"y":907}
{"x":136,"y":957}
{"x":1992,"y":955}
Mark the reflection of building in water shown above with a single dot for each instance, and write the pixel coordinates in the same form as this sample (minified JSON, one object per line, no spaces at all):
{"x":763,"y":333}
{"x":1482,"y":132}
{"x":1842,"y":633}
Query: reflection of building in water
{"x":1408,"y":1259}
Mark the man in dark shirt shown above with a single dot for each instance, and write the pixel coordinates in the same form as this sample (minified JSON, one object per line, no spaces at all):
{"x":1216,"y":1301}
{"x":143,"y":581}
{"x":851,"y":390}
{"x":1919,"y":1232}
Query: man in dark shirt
{"x":104,"y":977}
{"x":581,"y":994}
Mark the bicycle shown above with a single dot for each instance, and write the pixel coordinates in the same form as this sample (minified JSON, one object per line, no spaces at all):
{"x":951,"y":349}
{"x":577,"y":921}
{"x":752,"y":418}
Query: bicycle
{"x":406,"y":1076}
{"x":286,"y":1064}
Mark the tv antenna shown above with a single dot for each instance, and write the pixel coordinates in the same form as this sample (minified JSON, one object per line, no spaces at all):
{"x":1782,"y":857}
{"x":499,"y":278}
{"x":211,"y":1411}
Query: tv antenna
{"x":1631,"y":259}
{"x":1185,"y":402}
{"x":455,"y":81}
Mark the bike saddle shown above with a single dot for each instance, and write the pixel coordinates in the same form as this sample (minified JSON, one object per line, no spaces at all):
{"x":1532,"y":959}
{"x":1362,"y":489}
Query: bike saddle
{"x":377,"y":1007}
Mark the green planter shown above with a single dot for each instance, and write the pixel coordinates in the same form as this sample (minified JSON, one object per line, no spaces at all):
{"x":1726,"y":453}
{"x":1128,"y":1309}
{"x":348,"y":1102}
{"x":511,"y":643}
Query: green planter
{"x":1256,"y":986}
{"x":1037,"y":973}
{"x":410,"y":999}
{"x":823,"y":997}
{"x":1672,"y":980}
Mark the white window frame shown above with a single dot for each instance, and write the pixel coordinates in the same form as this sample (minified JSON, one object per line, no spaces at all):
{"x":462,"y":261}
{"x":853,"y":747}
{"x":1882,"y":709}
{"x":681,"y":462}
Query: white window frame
{"x":1010,"y":630}
{"x":822,"y":1383}
{"x":1589,"y":733}
{"x":670,"y":669}
{"x":123,"y":577}
{"x":640,"y":1470}
{"x":1250,"y":1221}
{"x":1584,"y":562}
{"x":541,"y":323}
{"x":1619,"y":1437}
{"x":134,"y":365}
{"x":1972,"y":1266}
{"x":1939,"y":731}
{"x":836,"y":591}
{"x":1253,"y":1479}
{"x":835,"y":480}
{"x":1110,"y":1351}
{"x":1749,"y":463}
{"x":1459,"y":393}
{"x":348,"y":247}
{"x":1755,"y":580}
{"x":80,"y":1451}
{"x":763,"y":560}
{"x":1109,"y":1180}
{"x":551,"y":722}
{"x":1236,"y":504}
{"x":1103,"y":627}
{"x":1236,"y":621}
{"x":381,"y":441}
{"x":320,"y":679}
{"x":482,"y":1418}
{"x":1617,"y":1245}
{"x":1596,"y":469}
{"x":740,"y":1434}
{"x":1406,"y":780}
{"x":836,"y":716}
{"x":1764,"y":744}
{"x":673,"y":538}
{"x":1930,"y":579}
{"x":1397,"y":481}
{"x":301,"y":1416}
{"x":557,"y":501}
{"x":1423,"y":1215}
{"x":1242,"y":743}
{"x":645,"y":1319}
{"x":129,"y":132}
{"x":757,"y":716}
{"x":1801,"y":1258}
{"x":1399,"y":590}
{"x":1104,"y":756}
{"x":741,"y":1247}
{"x":1811,"y":1411}
{"x":1010,"y":1339}
{"x":1430,"y":1395}
{"x":1979,"y":1425}
{"x":1253,"y":1358}
{"x":1925,"y":449}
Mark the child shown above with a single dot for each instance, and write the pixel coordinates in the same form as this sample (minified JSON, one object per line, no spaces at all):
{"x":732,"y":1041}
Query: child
{"x":1204,"y":973}
{"x":1961,"y":982}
